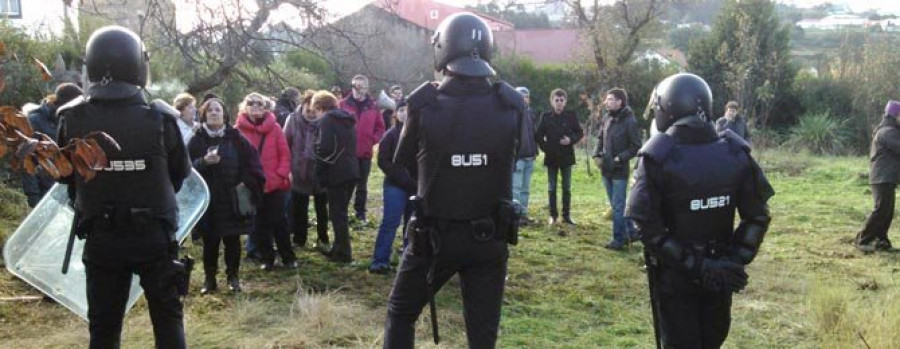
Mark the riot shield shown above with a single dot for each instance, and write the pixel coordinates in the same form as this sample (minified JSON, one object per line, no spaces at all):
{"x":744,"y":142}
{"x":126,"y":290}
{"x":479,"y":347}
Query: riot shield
{"x":35,"y":252}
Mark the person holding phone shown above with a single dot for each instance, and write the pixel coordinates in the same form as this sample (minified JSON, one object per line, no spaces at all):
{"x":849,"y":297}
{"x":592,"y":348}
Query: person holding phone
{"x":226,"y":160}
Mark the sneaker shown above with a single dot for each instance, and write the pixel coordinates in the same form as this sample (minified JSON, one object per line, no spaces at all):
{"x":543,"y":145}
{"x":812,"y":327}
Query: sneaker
{"x":883,"y":245}
{"x":266,"y":267}
{"x":209,"y":286}
{"x":615,"y":246}
{"x":552,"y":220}
{"x":568,"y":220}
{"x":233,"y":284}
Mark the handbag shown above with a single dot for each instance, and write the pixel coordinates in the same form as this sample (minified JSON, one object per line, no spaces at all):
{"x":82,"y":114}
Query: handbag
{"x":242,"y":196}
{"x":243,"y":201}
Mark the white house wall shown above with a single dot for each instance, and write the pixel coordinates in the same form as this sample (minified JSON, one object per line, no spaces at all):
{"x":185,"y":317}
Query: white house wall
{"x":45,"y":17}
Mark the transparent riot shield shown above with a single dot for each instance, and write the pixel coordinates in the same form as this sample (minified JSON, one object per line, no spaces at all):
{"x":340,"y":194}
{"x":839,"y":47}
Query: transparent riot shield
{"x":36,"y":250}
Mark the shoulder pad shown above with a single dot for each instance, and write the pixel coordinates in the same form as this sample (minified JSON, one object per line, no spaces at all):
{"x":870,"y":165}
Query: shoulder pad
{"x":658,"y":147}
{"x":509,"y":95}
{"x":735,"y":141}
{"x":164,"y":108}
{"x":78,"y":101}
{"x":423,"y":95}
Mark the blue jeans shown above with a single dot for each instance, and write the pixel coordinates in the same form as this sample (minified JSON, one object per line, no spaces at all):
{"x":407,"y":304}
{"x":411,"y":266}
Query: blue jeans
{"x":616,"y":194}
{"x":521,"y":182}
{"x":566,"y":189}
{"x":395,"y":209}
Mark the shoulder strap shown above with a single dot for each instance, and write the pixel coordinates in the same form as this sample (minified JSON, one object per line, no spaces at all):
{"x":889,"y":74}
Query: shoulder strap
{"x":160,"y":117}
{"x":735,"y":141}
{"x":423,"y":95}
{"x":658,"y":147}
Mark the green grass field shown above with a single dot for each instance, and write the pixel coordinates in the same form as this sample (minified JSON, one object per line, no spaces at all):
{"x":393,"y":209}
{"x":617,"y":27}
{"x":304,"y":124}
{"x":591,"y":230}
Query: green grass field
{"x":809,"y":287}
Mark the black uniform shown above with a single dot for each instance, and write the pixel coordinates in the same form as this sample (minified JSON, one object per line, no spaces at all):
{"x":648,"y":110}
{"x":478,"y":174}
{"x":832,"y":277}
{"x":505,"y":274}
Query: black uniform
{"x":463,"y":136}
{"x":688,"y":183}
{"x":127,"y":211}
{"x":129,"y":215}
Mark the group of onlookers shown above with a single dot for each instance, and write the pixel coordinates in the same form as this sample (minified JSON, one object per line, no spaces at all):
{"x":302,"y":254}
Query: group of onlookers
{"x":266,"y":162}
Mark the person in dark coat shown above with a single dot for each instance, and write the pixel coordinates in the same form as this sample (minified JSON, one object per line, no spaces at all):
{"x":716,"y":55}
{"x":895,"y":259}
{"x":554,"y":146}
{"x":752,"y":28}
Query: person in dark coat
{"x":44,"y":120}
{"x":525,"y":155}
{"x":556,"y":135}
{"x":287,"y":103}
{"x":734,"y":121}
{"x":337,"y":167}
{"x":884,"y":174}
{"x":618,"y":142}
{"x":300,"y":130}
{"x":226,"y":160}
{"x":399,"y":185}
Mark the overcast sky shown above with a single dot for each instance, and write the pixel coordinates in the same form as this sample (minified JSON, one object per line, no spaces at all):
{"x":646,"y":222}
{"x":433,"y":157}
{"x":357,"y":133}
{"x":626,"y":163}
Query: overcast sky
{"x":338,"y":7}
{"x":883,"y":6}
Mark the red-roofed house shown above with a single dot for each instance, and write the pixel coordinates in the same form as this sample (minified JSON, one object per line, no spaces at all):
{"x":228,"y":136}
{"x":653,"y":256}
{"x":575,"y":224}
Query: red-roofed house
{"x":428,"y":13}
{"x":390,"y":41}
{"x":543,"y":46}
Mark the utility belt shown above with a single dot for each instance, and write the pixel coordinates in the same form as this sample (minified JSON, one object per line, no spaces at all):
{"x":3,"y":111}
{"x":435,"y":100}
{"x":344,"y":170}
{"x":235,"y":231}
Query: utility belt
{"x":422,"y":231}
{"x":712,"y":249}
{"x":125,"y":222}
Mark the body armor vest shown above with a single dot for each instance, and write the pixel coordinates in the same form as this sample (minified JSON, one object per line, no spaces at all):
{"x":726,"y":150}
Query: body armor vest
{"x":471,"y":142}
{"x":138,"y":175}
{"x":700,"y":185}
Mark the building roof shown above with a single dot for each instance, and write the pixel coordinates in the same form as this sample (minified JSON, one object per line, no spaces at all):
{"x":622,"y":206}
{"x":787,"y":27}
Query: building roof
{"x":543,"y":46}
{"x":429,"y":13}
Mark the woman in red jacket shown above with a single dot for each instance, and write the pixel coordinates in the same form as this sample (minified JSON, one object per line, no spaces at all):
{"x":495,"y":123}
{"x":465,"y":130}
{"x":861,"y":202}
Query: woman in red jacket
{"x":261,"y":129}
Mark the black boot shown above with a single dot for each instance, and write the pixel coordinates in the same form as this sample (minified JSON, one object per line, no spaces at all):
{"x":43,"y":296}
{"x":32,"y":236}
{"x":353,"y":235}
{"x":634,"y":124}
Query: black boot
{"x":209,"y":285}
{"x":234,"y":285}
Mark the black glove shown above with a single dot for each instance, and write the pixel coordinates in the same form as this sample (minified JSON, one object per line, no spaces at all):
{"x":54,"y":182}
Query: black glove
{"x":722,"y":275}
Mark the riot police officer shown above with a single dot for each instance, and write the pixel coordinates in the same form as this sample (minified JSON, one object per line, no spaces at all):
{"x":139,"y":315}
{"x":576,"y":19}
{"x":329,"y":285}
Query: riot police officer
{"x":688,"y":183}
{"x":127,"y":212}
{"x":463,"y":134}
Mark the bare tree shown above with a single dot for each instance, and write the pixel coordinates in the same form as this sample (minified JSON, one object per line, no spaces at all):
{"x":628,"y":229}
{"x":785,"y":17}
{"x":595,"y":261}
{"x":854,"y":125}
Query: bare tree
{"x":238,"y":39}
{"x":616,"y":31}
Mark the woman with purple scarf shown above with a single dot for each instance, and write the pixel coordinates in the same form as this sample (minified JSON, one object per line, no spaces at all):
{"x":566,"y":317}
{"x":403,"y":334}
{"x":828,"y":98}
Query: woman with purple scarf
{"x":300,"y":130}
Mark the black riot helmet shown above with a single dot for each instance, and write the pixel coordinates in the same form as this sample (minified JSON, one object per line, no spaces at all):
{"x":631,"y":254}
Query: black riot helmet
{"x":117,"y":64}
{"x":463,"y":44}
{"x":682,"y":95}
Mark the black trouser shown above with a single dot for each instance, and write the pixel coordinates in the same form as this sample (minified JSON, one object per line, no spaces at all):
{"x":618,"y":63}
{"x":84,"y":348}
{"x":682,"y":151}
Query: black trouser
{"x":271,"y":223}
{"x":361,"y":187}
{"x":879,"y":221}
{"x":689,"y":316}
{"x":338,"y":199}
{"x":566,"y":173}
{"x":110,"y":259}
{"x":300,"y":212}
{"x":482,"y":270}
{"x":211,"y":243}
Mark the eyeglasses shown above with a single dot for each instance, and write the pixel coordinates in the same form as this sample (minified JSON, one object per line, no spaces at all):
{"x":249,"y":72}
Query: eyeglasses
{"x":255,"y":103}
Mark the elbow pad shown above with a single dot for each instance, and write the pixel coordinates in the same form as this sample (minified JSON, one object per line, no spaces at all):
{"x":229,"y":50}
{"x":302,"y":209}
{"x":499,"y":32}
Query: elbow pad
{"x":747,"y":238}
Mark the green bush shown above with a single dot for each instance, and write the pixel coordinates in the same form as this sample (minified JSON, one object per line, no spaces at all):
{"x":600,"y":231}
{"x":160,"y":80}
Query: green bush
{"x":820,"y":133}
{"x":22,"y":77}
{"x":540,"y":80}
